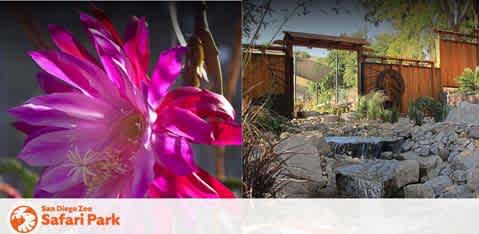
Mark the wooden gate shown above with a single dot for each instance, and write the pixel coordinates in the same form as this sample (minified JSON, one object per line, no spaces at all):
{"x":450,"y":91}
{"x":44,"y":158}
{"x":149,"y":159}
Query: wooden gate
{"x":417,"y":78}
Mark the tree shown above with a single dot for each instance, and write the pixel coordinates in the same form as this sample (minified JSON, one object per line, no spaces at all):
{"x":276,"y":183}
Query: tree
{"x":414,"y":22}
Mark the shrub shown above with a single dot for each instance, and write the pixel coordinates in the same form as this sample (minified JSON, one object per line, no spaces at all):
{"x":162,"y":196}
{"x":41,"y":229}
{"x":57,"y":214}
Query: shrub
{"x":371,"y":106}
{"x":427,"y":106}
{"x":391,"y":116}
{"x":469,"y":81}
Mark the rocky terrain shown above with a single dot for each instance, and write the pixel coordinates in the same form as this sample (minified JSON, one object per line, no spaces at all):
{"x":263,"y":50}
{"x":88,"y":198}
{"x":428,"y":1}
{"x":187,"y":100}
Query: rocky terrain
{"x":435,"y":160}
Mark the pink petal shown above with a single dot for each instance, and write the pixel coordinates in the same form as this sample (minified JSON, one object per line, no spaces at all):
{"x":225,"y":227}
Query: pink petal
{"x":195,"y":185}
{"x":51,"y":84}
{"x":165,"y":73}
{"x":185,"y":123}
{"x":58,"y":178}
{"x":203,"y":103}
{"x":53,"y":148}
{"x":78,"y":73}
{"x":106,"y":24}
{"x":137,"y":47}
{"x":67,"y":43}
{"x":175,"y":153}
{"x":143,"y":173}
{"x":227,"y":133}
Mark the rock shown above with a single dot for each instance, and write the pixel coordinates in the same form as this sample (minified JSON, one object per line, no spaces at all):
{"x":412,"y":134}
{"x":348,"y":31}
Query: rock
{"x":387,"y":155}
{"x":429,"y":167}
{"x":410,"y":155}
{"x":473,"y":132}
{"x":376,"y":178}
{"x":464,"y":113}
{"x":438,"y":184}
{"x":406,"y":146}
{"x":456,"y":191}
{"x":304,"y":162}
{"x":472,"y":177}
{"x":443,"y":153}
{"x":459,"y":177}
{"x":466,"y":160}
{"x":418,"y":191}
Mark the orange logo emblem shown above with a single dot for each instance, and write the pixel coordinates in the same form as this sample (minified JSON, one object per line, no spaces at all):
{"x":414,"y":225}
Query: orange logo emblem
{"x":23,"y":219}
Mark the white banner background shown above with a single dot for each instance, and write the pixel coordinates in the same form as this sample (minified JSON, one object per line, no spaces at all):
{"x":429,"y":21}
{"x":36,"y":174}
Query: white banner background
{"x":261,"y":216}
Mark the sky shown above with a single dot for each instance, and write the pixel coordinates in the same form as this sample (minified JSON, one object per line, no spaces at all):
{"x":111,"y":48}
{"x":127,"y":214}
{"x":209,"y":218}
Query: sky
{"x":322,"y":20}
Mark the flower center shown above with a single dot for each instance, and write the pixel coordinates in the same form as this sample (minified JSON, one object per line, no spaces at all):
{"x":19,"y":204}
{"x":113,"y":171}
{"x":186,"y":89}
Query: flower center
{"x":132,"y":126}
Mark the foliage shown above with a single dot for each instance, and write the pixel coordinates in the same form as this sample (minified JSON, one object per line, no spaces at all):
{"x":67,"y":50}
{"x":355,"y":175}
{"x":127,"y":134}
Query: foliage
{"x":371,"y":106}
{"x":271,"y":122}
{"x":11,"y":166}
{"x":427,"y":106}
{"x":264,"y":173}
{"x":391,"y":116}
{"x":469,"y":81}
{"x":414,"y":22}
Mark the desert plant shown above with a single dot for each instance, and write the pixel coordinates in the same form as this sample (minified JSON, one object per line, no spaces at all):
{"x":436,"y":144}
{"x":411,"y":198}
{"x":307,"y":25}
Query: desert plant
{"x":427,"y":106}
{"x":469,"y":81}
{"x":415,"y":114}
{"x":263,"y":168}
{"x":391,"y":115}
{"x":371,"y":106}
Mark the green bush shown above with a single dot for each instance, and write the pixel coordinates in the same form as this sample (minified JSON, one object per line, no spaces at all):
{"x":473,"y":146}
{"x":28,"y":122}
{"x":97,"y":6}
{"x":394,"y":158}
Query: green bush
{"x":469,"y":81}
{"x":270,"y":121}
{"x":371,"y":106}
{"x":427,"y":106}
{"x":391,"y":116}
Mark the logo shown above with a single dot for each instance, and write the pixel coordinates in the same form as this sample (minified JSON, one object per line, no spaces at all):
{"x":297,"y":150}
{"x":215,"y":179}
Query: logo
{"x":23,"y":219}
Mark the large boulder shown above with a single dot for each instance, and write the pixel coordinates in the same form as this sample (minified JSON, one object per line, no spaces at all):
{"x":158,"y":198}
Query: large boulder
{"x":418,"y":191}
{"x":464,"y":113}
{"x":376,"y":178}
{"x":439,"y":184}
{"x":465,"y":160}
{"x":302,"y":152}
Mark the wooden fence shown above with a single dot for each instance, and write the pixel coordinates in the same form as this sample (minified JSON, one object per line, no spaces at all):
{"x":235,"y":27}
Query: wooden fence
{"x":457,"y":51}
{"x":264,"y":78}
{"x":419,"y":77}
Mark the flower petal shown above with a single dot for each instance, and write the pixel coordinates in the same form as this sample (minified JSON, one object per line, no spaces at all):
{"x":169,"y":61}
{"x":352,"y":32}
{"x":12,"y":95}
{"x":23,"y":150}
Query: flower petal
{"x":107,"y":24}
{"x":51,"y":84}
{"x":58,"y":178}
{"x":85,"y":76}
{"x":184,"y":123}
{"x":175,"y":153}
{"x":53,"y":148}
{"x":165,"y":73}
{"x":137,"y":47}
{"x":68,"y":44}
{"x":203,"y":103}
{"x":227,"y":133}
{"x":194,"y":185}
{"x":65,"y":110}
{"x":143,"y":173}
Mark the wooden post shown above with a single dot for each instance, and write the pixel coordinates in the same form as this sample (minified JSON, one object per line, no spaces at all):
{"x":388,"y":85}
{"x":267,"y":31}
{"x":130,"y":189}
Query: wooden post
{"x":360,"y":77}
{"x":289,"y":77}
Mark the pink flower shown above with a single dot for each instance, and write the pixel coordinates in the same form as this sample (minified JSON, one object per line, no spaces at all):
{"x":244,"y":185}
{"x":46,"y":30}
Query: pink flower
{"x":104,"y":128}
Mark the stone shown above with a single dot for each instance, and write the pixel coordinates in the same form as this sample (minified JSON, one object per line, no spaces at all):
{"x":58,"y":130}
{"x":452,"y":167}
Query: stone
{"x":464,"y":113}
{"x":387,"y":155}
{"x":456,"y":191}
{"x":429,"y":167}
{"x":473,"y":132}
{"x":304,"y":162}
{"x":406,"y":146}
{"x":376,"y":178}
{"x":459,"y":177}
{"x":418,"y":191}
{"x":472,"y":177}
{"x":438,"y":184}
{"x":466,"y":160}
{"x":443,"y":153}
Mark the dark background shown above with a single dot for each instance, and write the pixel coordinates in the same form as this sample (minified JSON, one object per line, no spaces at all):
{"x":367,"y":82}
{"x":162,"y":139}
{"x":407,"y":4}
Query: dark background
{"x":17,"y":70}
